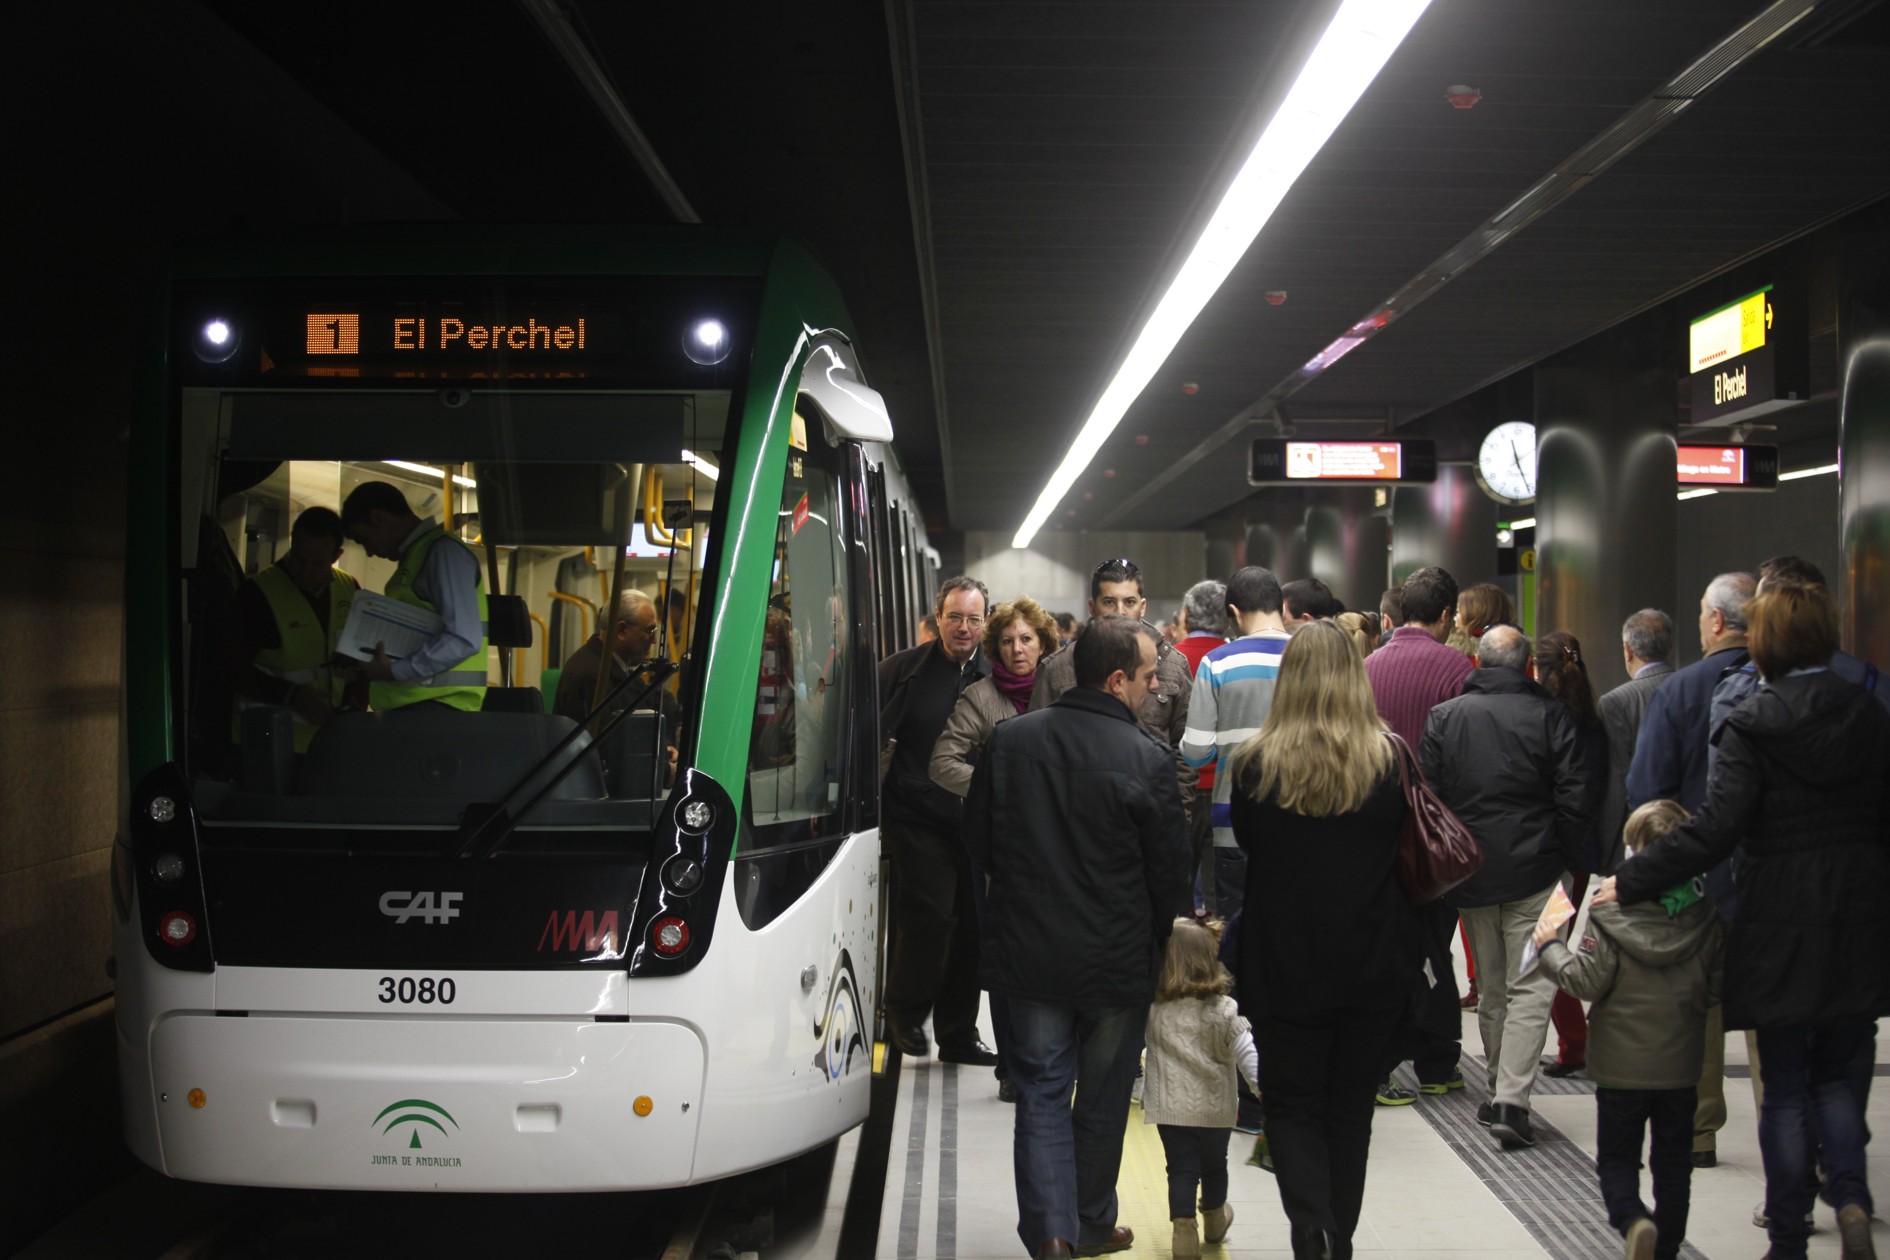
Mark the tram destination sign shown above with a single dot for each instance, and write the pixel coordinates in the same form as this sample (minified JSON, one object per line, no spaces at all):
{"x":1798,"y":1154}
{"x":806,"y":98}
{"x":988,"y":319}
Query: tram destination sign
{"x":1290,"y":462}
{"x":431,"y":329}
{"x":1728,"y":467}
{"x":1740,"y":362}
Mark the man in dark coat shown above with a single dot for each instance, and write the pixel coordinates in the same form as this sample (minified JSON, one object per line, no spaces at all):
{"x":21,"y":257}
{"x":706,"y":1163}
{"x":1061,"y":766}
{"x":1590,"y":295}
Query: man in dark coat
{"x":934,"y":964}
{"x":1115,"y":590}
{"x":1646,"y":643}
{"x":1506,"y":757}
{"x":1670,"y":763}
{"x":1075,"y":813}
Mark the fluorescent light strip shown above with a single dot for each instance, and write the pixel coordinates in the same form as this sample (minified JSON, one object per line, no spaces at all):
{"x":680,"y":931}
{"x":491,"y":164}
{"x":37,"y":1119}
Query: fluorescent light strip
{"x":706,"y":469}
{"x":1802,"y":473}
{"x":1684,"y":495}
{"x":1354,"y":48}
{"x":427,"y":471}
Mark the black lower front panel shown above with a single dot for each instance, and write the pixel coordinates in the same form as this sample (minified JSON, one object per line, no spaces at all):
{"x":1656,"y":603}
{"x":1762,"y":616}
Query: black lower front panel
{"x":312,"y":909}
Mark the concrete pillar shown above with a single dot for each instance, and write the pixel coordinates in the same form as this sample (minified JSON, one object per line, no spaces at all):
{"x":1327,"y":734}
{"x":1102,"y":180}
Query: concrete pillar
{"x":1347,"y":544}
{"x":1864,"y":447}
{"x":1450,"y":523}
{"x":1605,"y":417}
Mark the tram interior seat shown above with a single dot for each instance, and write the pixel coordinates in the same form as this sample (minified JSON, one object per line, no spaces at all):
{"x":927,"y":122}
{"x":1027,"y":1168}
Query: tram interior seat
{"x":634,"y":764}
{"x":509,"y":626}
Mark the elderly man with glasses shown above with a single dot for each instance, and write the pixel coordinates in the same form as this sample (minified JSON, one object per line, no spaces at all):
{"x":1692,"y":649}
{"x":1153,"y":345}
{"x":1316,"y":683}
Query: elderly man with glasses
{"x":934,"y":964}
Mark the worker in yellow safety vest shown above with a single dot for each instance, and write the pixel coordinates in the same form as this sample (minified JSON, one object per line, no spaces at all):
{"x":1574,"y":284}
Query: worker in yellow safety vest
{"x":434,"y":571}
{"x":287,"y":619}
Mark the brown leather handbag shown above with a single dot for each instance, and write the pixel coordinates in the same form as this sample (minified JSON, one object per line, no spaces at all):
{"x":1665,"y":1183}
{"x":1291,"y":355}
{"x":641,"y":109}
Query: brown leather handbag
{"x":1436,"y":852}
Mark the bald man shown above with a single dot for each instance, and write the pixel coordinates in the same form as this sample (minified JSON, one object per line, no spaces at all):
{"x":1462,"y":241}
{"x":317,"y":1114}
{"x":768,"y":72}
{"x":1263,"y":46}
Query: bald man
{"x":1506,"y":757}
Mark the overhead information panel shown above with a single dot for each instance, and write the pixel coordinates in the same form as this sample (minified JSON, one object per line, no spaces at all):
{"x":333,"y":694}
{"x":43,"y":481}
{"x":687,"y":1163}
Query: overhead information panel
{"x":1740,"y":362}
{"x":429,"y":330}
{"x":1284,"y":462}
{"x":1729,"y":467}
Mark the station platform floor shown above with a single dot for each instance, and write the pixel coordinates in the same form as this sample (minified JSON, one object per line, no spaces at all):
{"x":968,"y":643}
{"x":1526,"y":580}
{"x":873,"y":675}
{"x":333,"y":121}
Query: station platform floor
{"x":1437,"y":1185}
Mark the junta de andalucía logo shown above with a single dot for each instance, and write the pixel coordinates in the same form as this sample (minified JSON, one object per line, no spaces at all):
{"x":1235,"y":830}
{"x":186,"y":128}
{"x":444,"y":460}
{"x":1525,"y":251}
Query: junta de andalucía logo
{"x":415,"y":1112}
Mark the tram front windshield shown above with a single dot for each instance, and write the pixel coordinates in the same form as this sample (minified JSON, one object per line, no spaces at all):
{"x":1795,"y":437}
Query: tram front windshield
{"x":559,"y":500}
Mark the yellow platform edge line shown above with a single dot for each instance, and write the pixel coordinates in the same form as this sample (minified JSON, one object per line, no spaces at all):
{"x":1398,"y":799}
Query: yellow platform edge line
{"x":1142,"y":1187}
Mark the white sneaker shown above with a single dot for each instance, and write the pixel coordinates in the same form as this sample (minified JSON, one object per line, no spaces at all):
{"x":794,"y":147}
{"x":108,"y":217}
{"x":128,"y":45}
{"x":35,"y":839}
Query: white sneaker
{"x":1761,"y":1220}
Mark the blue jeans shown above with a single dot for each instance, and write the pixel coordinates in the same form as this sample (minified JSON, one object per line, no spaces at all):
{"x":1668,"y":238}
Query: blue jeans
{"x":1811,"y":1117}
{"x":1067,"y":1156}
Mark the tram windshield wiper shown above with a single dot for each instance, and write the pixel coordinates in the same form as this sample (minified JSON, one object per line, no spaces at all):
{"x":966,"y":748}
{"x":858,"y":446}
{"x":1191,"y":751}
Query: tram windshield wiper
{"x":487,"y":825}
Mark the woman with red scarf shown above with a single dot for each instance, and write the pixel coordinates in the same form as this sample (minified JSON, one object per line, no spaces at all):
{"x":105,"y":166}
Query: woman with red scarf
{"x":1016,"y":636}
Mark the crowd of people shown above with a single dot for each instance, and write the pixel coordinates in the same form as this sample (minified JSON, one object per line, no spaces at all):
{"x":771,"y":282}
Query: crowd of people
{"x":1172,"y":856}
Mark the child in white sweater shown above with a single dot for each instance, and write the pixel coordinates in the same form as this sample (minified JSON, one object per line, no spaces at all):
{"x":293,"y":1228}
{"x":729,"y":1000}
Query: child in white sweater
{"x":1197,"y":1040}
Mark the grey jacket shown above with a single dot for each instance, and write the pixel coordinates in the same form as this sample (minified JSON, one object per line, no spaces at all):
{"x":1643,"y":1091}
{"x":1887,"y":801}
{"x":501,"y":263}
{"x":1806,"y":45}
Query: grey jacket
{"x":1195,"y":1045}
{"x":955,"y":755}
{"x":1621,"y":713}
{"x":1651,"y":979}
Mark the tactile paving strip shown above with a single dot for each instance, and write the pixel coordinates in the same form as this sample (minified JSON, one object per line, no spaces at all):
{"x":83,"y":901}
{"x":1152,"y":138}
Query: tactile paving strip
{"x":1549,"y":1187}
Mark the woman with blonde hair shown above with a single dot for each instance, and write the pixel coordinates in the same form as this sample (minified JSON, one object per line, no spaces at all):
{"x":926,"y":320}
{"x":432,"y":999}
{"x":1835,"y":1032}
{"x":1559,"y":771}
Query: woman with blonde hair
{"x":1363,"y":629}
{"x":1017,"y":635}
{"x":1329,"y":947}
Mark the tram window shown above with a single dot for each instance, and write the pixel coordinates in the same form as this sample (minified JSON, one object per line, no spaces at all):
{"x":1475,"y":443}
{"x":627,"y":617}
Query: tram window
{"x":798,"y":746}
{"x":546,"y":537}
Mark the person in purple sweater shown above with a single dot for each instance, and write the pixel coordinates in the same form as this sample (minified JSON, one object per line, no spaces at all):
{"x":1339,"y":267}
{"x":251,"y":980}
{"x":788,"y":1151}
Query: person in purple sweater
{"x":1412,"y":673}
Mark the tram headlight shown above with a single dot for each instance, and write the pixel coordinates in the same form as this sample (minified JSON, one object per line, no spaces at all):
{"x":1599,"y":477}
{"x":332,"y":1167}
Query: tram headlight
{"x":697,"y":815}
{"x":169,"y":868}
{"x":162,"y":809}
{"x":683,"y":875}
{"x":177,"y":929}
{"x":216,"y":340}
{"x":707,"y":342}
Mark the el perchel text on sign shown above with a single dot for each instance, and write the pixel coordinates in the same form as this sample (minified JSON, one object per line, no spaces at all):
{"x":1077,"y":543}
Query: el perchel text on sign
{"x":342,"y":334}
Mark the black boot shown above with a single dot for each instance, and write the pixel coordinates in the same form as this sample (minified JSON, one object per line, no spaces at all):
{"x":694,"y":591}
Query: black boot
{"x":1312,"y":1242}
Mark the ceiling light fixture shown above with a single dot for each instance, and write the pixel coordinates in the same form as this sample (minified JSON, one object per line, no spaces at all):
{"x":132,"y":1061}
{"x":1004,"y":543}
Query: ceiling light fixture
{"x":427,"y":470}
{"x":1820,"y":471}
{"x":1354,"y":48}
{"x":701,"y":465}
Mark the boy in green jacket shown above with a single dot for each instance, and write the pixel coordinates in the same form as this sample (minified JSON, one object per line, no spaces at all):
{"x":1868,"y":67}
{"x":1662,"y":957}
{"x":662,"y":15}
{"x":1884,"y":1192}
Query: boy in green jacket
{"x":1651,"y":970}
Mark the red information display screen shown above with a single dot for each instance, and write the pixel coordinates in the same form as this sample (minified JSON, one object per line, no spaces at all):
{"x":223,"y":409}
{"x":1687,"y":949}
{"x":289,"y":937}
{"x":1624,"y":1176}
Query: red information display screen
{"x":1728,"y":467}
{"x":1343,"y":461}
{"x":1712,"y":466}
{"x":1279,"y":462}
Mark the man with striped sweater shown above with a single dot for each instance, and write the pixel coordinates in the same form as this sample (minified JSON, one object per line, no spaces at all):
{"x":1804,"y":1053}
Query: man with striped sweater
{"x":1233,"y":689}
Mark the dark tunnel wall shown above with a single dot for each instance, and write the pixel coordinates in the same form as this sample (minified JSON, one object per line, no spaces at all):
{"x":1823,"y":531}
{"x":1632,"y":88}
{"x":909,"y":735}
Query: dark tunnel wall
{"x":133,"y":132}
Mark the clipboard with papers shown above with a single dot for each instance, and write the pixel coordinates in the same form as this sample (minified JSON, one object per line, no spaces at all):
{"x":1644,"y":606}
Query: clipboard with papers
{"x":377,"y":619}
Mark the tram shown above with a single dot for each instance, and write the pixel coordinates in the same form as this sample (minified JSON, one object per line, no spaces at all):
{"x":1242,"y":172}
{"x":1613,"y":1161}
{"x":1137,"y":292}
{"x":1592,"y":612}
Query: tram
{"x":486,"y":947}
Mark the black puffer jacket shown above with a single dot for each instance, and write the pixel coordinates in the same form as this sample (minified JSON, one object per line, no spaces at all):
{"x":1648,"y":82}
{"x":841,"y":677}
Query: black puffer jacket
{"x":1075,"y":813}
{"x":1801,"y":789}
{"x":1505,"y":756}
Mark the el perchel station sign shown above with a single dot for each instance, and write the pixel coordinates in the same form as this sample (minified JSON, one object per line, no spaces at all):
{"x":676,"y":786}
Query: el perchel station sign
{"x":1746,"y":358}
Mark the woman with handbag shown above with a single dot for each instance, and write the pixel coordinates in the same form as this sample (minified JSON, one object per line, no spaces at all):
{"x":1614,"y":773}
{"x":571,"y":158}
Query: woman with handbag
{"x":1329,"y":945}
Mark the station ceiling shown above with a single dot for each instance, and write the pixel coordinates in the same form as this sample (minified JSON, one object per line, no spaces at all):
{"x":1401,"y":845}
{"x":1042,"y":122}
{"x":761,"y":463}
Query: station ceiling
{"x":1001,"y":188}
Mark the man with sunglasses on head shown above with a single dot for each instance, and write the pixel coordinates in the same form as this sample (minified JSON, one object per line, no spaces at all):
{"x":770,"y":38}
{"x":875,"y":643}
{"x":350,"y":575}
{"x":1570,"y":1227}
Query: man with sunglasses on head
{"x":1115,"y":589}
